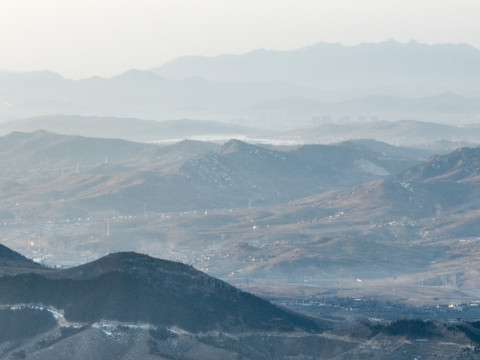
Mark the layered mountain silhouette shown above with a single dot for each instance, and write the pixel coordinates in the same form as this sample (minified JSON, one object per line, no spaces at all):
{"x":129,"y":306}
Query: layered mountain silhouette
{"x":138,"y":94}
{"x":269,"y":89}
{"x":401,"y":133}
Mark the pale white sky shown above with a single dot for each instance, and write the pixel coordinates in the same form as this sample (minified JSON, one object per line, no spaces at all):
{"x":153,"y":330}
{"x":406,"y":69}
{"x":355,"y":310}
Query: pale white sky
{"x":82,"y":38}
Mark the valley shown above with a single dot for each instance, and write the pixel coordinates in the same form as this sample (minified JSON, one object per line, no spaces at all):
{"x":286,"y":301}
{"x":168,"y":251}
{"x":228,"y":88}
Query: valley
{"x":370,"y":248}
{"x":354,"y":219}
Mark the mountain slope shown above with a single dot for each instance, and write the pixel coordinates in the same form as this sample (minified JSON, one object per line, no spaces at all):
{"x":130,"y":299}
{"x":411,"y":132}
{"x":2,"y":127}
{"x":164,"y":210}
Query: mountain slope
{"x":444,"y":183}
{"x":462,"y":165}
{"x":238,"y":174}
{"x":12,"y":262}
{"x":45,"y":154}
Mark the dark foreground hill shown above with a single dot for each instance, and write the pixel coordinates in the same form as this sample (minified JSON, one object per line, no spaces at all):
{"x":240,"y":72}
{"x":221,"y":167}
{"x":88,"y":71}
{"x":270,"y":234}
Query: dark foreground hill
{"x":132,"y":306}
{"x":137,"y":288}
{"x":126,"y":296}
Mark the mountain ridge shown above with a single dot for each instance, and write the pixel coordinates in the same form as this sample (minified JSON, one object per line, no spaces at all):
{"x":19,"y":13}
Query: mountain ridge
{"x":187,"y":176}
{"x":385,"y":58}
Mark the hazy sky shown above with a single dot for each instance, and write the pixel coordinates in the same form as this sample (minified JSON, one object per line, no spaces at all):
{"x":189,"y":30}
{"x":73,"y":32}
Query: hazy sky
{"x":106,"y":37}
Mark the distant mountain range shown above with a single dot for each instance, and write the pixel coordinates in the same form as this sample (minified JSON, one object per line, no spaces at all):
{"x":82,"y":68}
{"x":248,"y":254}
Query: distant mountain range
{"x":132,"y":129}
{"x":140,"y":94}
{"x":364,"y":109}
{"x":270,"y":89}
{"x":388,"y":64}
{"x":437,"y":137}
